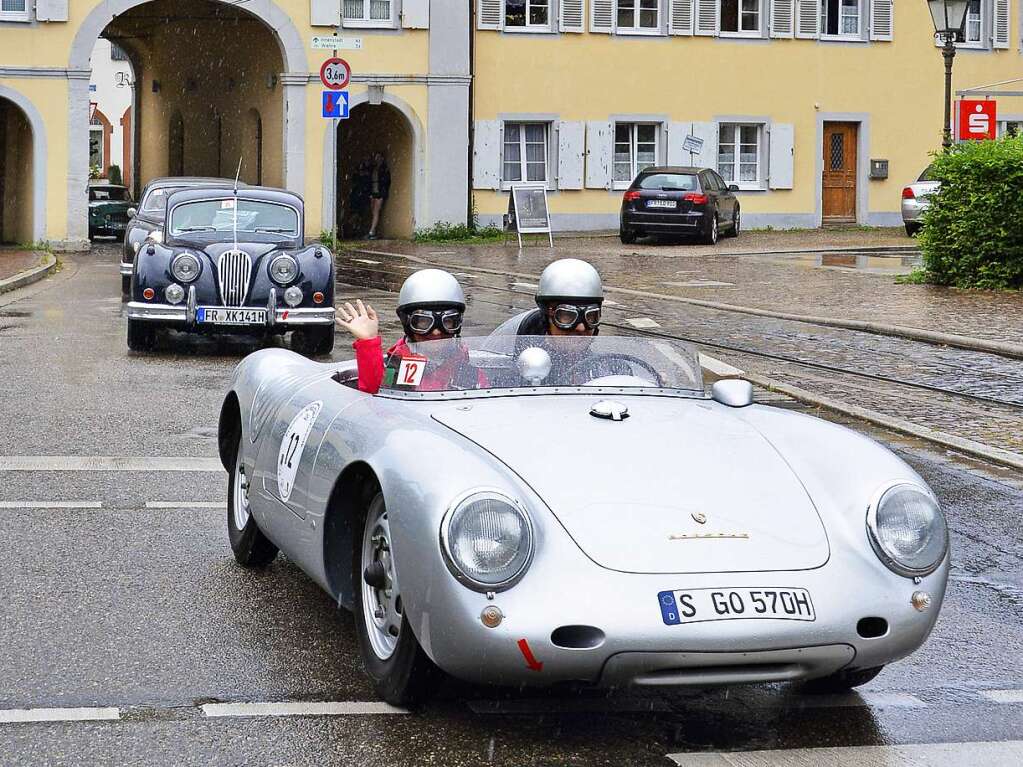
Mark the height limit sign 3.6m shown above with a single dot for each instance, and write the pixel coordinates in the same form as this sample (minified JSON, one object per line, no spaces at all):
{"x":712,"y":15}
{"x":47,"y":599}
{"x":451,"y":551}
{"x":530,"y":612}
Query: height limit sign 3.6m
{"x":335,"y":74}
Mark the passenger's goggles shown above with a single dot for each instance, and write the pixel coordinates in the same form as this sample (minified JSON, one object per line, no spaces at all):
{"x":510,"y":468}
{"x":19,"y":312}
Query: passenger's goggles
{"x":567,"y":316}
{"x":422,"y":321}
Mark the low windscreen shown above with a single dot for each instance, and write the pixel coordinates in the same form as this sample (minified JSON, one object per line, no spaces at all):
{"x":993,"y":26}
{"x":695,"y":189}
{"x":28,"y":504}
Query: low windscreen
{"x":509,"y":362}
{"x":109,"y":194}
{"x":221,"y":216}
{"x":669,"y":182}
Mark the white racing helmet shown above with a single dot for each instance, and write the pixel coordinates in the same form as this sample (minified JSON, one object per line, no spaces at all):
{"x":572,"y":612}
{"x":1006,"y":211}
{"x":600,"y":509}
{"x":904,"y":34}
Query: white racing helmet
{"x":429,"y":289}
{"x":569,"y":279}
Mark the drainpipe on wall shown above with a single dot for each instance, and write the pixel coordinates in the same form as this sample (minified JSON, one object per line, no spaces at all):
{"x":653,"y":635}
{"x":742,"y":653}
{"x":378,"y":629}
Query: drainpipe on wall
{"x":472,"y":112}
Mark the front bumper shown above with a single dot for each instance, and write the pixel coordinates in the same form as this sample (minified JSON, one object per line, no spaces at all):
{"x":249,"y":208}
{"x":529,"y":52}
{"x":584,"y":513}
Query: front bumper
{"x":127,"y":269}
{"x":184,"y":315}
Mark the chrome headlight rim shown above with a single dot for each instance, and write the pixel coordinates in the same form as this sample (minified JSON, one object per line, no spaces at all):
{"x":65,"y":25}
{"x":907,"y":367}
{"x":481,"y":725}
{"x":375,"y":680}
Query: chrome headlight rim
{"x":287,"y":259}
{"x":873,"y":535}
{"x":445,"y":540}
{"x":185,"y":257}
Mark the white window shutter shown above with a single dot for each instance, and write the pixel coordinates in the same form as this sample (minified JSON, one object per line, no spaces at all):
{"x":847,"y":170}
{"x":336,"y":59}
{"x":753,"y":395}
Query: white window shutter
{"x":707,"y":157}
{"x":489,"y":14}
{"x":808,"y":18}
{"x":680,"y":17}
{"x":882,"y":19}
{"x":782,"y":146}
{"x":602,"y":13}
{"x":571,"y":152}
{"x":677,"y":133}
{"x":486,"y":155}
{"x":324,"y":13}
{"x":572,"y":18}
{"x":415,"y":14}
{"x":707,"y":17}
{"x":51,"y":10}
{"x":782,"y":17}
{"x":598,"y":155}
{"x":1000,"y":27}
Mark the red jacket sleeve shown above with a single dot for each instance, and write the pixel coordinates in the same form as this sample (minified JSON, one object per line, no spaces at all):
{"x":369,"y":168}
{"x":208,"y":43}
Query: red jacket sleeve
{"x":370,"y":359}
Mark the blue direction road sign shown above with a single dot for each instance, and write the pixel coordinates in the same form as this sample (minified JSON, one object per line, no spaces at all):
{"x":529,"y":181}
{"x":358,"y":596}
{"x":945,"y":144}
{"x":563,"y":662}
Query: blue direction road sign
{"x":335,"y":104}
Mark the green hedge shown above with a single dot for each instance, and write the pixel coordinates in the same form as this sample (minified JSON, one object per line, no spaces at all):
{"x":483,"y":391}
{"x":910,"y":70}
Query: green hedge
{"x":973,"y":232}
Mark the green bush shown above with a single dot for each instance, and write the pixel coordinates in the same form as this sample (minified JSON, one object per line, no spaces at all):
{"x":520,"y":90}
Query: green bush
{"x":973,"y":230}
{"x":445,"y":232}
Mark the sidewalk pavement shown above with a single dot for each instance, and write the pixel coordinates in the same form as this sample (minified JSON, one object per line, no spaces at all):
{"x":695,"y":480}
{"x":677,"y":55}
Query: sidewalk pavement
{"x":812,"y":281}
{"x":14,"y":261}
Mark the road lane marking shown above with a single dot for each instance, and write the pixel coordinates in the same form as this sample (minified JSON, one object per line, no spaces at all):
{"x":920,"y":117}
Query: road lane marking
{"x":642,"y":322}
{"x":186,"y":504}
{"x":865,"y":698}
{"x":1003,"y":696}
{"x":50,"y":505}
{"x":336,"y":708}
{"x":58,"y":714}
{"x":719,"y":368}
{"x":914,"y":755}
{"x":107,"y":463}
{"x":369,"y":261}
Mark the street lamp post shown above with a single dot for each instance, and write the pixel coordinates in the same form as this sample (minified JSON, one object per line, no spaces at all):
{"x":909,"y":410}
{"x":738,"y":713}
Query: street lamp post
{"x":949,"y":17}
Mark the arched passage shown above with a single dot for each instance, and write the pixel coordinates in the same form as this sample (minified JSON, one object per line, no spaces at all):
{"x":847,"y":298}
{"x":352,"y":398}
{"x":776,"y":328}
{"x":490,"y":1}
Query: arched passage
{"x":22,"y":169}
{"x":206,"y":59}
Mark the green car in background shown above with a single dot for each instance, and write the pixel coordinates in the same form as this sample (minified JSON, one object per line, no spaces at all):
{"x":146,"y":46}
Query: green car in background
{"x":108,"y":210}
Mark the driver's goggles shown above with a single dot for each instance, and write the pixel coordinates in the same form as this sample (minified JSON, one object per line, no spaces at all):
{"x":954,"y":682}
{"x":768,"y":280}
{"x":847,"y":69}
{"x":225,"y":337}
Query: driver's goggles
{"x":567,"y":316}
{"x":422,"y":321}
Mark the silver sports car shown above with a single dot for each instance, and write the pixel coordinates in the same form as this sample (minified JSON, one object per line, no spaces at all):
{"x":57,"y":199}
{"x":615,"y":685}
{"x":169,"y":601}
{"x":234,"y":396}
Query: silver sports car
{"x":535,"y":510}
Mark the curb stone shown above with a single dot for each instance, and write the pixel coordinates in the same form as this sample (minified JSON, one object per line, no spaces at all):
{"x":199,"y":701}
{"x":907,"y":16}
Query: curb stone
{"x":29,"y":276}
{"x":1001,"y":348}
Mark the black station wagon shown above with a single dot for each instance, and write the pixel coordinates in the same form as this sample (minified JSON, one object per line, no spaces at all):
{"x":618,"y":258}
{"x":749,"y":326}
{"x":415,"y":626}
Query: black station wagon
{"x":679,"y":201}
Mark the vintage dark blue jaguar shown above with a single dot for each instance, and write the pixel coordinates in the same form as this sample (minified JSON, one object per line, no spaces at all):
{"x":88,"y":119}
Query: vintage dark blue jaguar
{"x":233,"y":261}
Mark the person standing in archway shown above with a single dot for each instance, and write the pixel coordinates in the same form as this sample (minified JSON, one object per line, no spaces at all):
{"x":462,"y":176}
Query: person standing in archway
{"x":379,"y":189}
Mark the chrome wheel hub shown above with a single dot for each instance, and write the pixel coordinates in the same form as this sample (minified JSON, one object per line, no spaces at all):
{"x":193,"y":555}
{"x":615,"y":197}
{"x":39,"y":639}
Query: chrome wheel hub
{"x":381,"y":600}
{"x":241,"y":495}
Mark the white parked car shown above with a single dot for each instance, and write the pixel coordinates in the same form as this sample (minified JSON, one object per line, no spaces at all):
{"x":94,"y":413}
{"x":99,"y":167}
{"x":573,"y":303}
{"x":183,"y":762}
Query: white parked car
{"x":916,"y":198}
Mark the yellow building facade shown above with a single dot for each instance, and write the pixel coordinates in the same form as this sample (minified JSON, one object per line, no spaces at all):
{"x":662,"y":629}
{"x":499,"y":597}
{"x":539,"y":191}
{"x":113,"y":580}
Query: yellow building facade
{"x":793,"y":100}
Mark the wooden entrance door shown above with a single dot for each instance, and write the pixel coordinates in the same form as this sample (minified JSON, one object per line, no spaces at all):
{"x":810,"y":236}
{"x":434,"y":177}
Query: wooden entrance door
{"x":840,"y":172}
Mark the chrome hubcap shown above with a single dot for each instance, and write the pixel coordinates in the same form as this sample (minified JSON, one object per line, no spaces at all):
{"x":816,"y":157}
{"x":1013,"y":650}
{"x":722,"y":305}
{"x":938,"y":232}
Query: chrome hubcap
{"x":241,"y":495}
{"x":381,"y":601}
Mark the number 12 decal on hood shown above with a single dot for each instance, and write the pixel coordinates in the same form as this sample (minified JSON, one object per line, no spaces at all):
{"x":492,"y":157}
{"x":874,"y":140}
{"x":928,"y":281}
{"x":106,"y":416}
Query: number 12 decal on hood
{"x":290,"y":454}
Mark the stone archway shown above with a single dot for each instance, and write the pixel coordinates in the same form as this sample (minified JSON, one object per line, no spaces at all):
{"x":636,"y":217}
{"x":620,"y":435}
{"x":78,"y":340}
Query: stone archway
{"x":289,"y":83}
{"x":23,"y":177}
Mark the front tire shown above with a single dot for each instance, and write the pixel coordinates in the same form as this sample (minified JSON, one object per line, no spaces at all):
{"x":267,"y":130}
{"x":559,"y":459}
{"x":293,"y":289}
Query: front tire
{"x":843,"y":681}
{"x":251,"y":548}
{"x":141,"y":335}
{"x":315,"y":341}
{"x":401,"y":672}
{"x":734,"y":231}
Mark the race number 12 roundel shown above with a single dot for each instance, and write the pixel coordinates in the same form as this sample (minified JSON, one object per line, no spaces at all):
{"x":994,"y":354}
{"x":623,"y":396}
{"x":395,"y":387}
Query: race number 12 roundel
{"x":290,"y":454}
{"x":335,"y":74}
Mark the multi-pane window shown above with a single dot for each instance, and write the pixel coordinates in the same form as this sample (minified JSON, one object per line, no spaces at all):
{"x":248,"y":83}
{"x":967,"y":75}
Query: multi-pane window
{"x":527,"y":13}
{"x":639,"y":15}
{"x":740,"y":16}
{"x":635,"y":149}
{"x":971,"y":33}
{"x":368,"y":10}
{"x":14,"y":10}
{"x":96,"y":146}
{"x":739,"y":153}
{"x":840,"y":18}
{"x":525,"y":152}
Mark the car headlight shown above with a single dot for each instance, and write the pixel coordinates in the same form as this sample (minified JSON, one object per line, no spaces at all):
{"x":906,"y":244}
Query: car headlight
{"x":185,"y":267}
{"x":283,"y":269}
{"x":487,"y":540}
{"x":907,"y":529}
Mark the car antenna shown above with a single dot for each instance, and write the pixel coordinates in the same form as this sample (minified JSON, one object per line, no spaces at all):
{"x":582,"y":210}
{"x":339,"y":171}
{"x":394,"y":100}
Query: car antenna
{"x":236,"y":175}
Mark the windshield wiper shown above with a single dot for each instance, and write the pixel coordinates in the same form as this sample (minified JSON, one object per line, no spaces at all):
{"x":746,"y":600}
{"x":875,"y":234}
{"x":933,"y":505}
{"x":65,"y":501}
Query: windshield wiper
{"x":274,"y":229}
{"x":197,"y":229}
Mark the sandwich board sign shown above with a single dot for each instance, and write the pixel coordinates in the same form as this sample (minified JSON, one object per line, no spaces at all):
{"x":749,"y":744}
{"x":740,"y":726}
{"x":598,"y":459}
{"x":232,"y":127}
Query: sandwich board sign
{"x":528,"y":212}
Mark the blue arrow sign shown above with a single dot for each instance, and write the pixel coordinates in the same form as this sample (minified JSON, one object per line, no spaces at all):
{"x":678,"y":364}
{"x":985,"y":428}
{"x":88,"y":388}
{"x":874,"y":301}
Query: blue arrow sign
{"x":335,"y":104}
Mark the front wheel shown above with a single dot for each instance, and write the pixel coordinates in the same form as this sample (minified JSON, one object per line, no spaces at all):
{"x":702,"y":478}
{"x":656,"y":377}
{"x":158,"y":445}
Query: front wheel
{"x":402,"y":673}
{"x":315,"y":341}
{"x":734,"y":231}
{"x":842,"y":681}
{"x":141,"y":335}
{"x":251,"y":548}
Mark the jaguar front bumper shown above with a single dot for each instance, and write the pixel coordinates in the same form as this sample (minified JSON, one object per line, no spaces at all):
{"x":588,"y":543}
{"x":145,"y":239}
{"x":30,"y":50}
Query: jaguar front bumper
{"x":186,"y":315}
{"x":127,"y":269}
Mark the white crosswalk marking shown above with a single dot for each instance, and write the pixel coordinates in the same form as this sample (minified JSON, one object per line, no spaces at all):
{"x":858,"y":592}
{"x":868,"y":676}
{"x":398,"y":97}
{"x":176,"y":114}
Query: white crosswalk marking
{"x":58,"y":714}
{"x":186,"y":504}
{"x":1003,"y":696}
{"x":106,"y":463}
{"x":50,"y":505}
{"x":1006,"y":754}
{"x":341,"y":708}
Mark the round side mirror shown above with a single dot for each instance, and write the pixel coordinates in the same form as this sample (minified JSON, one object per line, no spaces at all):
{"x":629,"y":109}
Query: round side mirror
{"x":732,"y":392}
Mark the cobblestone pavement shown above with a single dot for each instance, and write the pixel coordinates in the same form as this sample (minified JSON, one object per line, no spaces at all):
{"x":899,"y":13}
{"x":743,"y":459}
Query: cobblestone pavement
{"x":836,"y":285}
{"x":14,"y":262}
{"x":846,"y":365}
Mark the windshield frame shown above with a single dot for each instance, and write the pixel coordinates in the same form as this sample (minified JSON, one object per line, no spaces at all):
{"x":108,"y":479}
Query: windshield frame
{"x":541,"y":391}
{"x":290,"y":235}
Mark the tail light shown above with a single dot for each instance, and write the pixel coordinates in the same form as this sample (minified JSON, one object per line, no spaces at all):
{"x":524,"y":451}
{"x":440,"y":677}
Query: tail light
{"x":632,"y":194}
{"x":907,"y":193}
{"x":695,"y":197}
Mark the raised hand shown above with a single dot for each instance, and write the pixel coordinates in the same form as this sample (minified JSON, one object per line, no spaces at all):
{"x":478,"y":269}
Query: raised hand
{"x":359,"y":320}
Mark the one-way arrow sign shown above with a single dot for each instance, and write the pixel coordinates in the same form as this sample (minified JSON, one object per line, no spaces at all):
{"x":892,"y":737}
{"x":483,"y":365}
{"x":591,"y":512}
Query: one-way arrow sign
{"x":335,"y":104}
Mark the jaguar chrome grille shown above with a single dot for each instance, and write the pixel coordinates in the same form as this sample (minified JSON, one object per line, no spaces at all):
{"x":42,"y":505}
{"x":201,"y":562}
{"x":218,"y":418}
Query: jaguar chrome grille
{"x":234,"y":268}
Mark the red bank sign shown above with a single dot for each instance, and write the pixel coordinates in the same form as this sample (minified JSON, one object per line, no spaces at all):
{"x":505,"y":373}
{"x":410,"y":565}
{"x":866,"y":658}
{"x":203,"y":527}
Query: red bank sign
{"x":976,"y":120}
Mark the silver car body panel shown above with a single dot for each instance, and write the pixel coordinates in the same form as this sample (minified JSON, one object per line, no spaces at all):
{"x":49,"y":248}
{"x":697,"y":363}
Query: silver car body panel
{"x":642,"y":486}
{"x":913,"y":209}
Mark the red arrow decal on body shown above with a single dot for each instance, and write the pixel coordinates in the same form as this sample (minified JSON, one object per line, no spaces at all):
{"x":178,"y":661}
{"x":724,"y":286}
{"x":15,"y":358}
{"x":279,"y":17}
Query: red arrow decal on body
{"x":531,"y":661}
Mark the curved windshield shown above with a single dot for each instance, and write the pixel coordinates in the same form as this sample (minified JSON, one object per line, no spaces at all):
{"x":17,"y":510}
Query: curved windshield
{"x":489,"y":363}
{"x":223,"y":215}
{"x":156,"y":200}
{"x":109,"y":194}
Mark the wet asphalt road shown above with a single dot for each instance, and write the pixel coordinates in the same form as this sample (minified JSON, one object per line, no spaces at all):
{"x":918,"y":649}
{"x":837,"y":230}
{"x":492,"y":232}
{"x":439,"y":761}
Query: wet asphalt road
{"x":142,"y":608}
